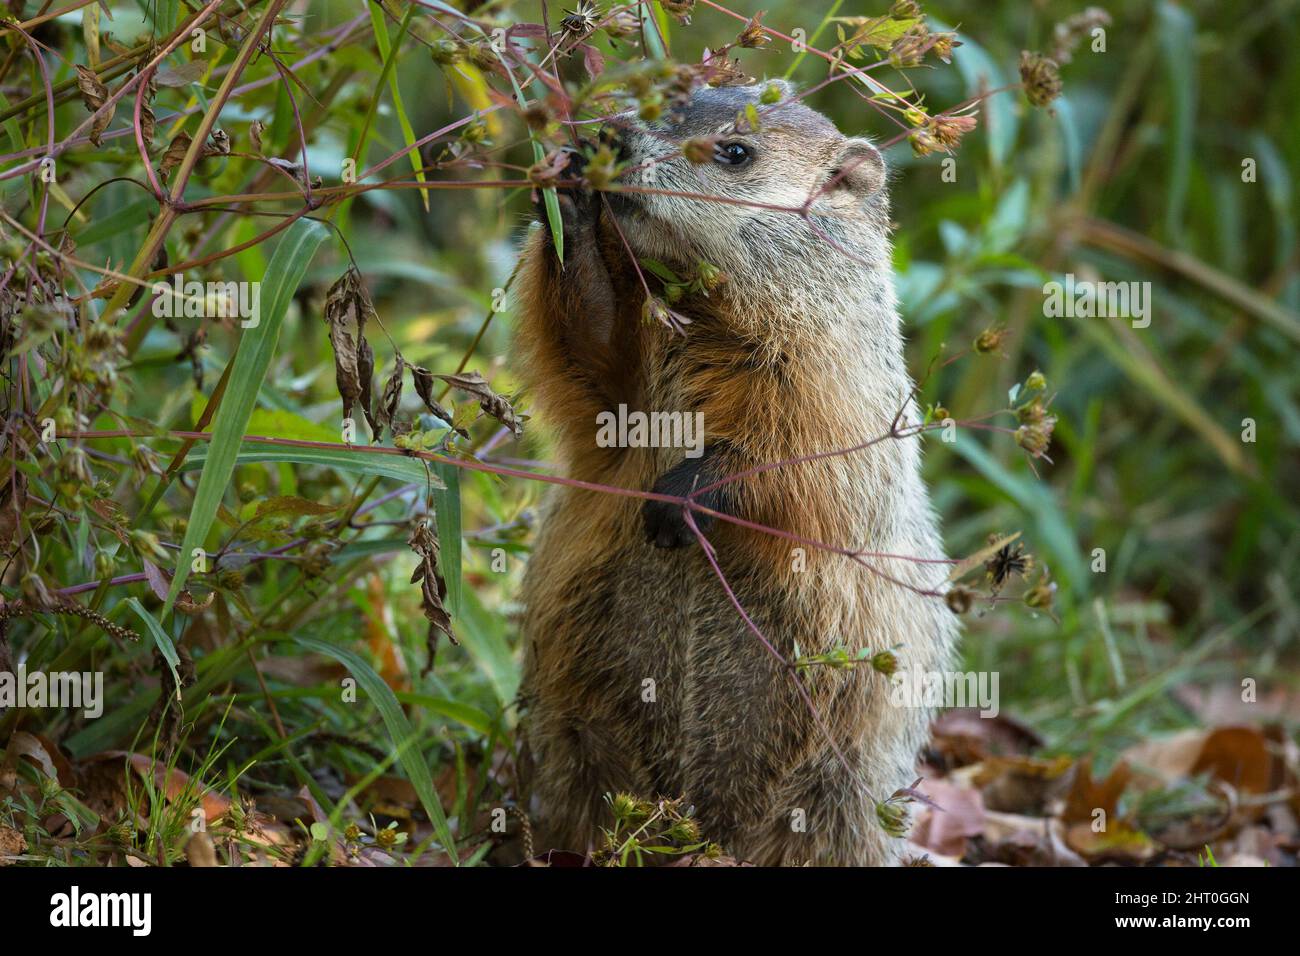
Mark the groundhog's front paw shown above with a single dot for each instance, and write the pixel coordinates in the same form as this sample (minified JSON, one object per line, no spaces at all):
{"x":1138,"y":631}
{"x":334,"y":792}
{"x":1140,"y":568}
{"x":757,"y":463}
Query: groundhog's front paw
{"x":665,"y":525}
{"x":665,"y":521}
{"x":579,"y":205}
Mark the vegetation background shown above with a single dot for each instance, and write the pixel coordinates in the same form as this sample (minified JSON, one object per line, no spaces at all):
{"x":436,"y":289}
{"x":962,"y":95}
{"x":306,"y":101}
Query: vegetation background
{"x":1171,"y":158}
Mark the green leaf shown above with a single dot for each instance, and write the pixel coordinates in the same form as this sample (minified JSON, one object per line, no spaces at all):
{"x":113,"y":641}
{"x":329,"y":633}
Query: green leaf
{"x":165,"y":645}
{"x":475,"y":718}
{"x":446,"y":503}
{"x":1178,"y":51}
{"x":275,"y":423}
{"x":253,"y":358}
{"x":291,"y":505}
{"x":399,"y":729}
{"x":389,"y":53}
{"x":401,"y":467}
{"x":660,"y":270}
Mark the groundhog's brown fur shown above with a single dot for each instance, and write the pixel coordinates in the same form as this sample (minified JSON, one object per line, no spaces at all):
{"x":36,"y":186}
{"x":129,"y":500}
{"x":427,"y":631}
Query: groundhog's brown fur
{"x":799,"y":352}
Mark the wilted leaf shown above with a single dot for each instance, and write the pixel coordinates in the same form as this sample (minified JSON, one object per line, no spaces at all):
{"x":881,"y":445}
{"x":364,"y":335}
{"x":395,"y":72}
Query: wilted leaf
{"x":12,"y":844}
{"x":1119,"y":841}
{"x":347,"y":305}
{"x":218,"y":143}
{"x":423,"y":380}
{"x":176,"y":151}
{"x":593,"y":60}
{"x":392,"y":397}
{"x":1018,"y":784}
{"x":946,"y":831}
{"x":1087,"y":796}
{"x":489,"y":401}
{"x":293,"y":171}
{"x":433,"y":590}
{"x":94,"y":95}
{"x":1239,"y":756}
{"x":291,"y":505}
{"x":147,"y":123}
{"x":366,"y":371}
{"x":182,"y":75}
{"x":173,"y":782}
{"x":199,"y":850}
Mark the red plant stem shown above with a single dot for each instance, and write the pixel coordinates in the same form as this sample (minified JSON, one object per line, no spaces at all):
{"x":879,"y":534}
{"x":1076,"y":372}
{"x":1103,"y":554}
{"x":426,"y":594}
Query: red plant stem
{"x":138,"y":130}
{"x":475,"y":465}
{"x":712,"y":558}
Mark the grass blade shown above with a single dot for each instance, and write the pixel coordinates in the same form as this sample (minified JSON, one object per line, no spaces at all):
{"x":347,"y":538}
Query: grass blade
{"x":253,"y":358}
{"x":388,"y":466}
{"x":447,"y":505}
{"x":399,"y":729}
{"x":388,"y":51}
{"x":165,"y":645}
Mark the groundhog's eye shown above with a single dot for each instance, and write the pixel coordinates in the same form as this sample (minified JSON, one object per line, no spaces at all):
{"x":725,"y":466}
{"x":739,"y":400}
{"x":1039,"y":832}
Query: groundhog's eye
{"x":732,"y":154}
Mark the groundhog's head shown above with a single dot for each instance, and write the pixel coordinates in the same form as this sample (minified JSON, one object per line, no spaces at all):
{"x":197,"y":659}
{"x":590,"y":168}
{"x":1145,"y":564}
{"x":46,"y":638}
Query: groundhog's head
{"x":706,"y":185}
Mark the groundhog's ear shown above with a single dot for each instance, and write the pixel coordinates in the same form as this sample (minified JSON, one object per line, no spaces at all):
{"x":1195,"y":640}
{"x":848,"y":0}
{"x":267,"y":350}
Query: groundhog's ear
{"x":857,"y":167}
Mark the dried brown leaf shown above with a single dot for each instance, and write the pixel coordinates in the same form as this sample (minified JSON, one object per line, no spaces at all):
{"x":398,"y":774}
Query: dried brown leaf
{"x":433,"y":590}
{"x":176,"y":151}
{"x":489,"y":401}
{"x":392,"y":397}
{"x":94,"y":94}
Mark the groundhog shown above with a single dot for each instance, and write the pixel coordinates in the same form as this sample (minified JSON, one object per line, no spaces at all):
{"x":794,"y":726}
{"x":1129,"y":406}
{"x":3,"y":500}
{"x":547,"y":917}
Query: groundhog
{"x":640,"y":673}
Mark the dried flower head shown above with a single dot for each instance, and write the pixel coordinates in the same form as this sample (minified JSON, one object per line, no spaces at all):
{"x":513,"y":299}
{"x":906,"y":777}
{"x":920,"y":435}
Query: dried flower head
{"x":753,"y":36}
{"x":1010,"y":559}
{"x":1041,"y":78}
{"x":959,"y":600}
{"x":537,"y":116}
{"x":582,"y":21}
{"x":924,"y":142}
{"x":623,"y":24}
{"x":885,"y":662}
{"x":717,"y":69}
{"x":1069,"y":32}
{"x":910,"y":49}
{"x":944,"y":44}
{"x":679,"y":10}
{"x":990,"y":340}
{"x":1042,"y":594}
{"x":1035,"y":436}
{"x":948,"y":130}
